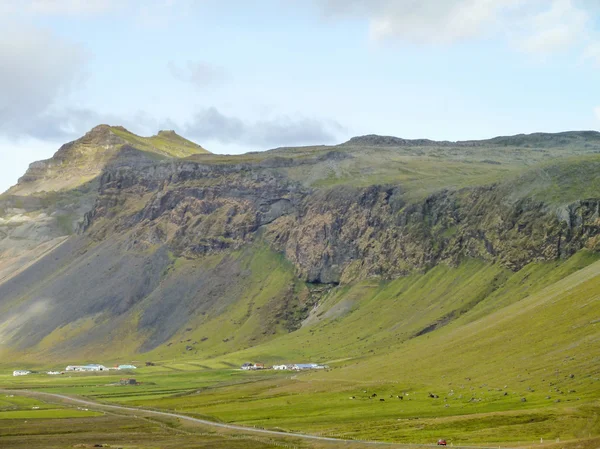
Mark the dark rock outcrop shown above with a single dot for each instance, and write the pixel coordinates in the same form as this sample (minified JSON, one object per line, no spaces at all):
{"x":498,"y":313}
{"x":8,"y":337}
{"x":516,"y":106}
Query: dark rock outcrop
{"x":338,"y":234}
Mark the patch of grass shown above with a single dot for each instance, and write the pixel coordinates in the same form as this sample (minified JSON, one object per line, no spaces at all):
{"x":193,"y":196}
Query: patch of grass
{"x":46,"y":414}
{"x":165,"y":143}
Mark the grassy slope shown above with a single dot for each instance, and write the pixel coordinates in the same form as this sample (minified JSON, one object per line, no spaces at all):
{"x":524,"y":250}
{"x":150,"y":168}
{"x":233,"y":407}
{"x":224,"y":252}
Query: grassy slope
{"x":527,"y":349}
{"x":555,"y":175}
{"x":518,"y":335}
{"x":245,"y":316}
{"x":246,"y":312}
{"x":166,"y":143}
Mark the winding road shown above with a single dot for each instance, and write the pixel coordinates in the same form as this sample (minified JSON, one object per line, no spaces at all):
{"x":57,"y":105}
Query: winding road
{"x":100,"y":406}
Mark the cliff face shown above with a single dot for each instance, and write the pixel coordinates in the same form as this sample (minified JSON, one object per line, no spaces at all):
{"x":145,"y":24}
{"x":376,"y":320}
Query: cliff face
{"x":344,"y":235}
{"x":340,"y":234}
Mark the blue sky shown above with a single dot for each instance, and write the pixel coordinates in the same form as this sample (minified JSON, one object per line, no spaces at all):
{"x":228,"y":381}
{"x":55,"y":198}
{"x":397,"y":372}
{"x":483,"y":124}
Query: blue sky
{"x":240,"y":76}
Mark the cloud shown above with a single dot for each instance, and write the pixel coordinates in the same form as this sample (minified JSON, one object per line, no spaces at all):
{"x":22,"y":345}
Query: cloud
{"x":198,"y":73}
{"x":39,"y":69}
{"x":62,"y":124}
{"x":592,"y":52}
{"x":69,"y":7}
{"x":60,"y":7}
{"x":534,"y":26}
{"x":425,"y":21}
{"x":556,"y":29}
{"x":149,"y":13}
{"x":211,"y":124}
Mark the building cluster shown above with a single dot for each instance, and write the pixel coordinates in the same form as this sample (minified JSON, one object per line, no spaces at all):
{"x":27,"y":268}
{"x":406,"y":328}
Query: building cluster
{"x":21,"y":372}
{"x":252,"y":366}
{"x":96,"y":367}
{"x":290,"y":367}
{"x":86,"y":368}
{"x":92,"y":367}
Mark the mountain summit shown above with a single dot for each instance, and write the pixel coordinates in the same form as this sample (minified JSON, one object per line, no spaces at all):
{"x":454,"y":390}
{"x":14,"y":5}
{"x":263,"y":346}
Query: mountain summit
{"x":84,"y":159}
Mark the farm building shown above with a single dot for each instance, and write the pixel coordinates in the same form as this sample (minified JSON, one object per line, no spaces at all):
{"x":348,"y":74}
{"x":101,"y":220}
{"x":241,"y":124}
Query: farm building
{"x":86,"y":368}
{"x":252,"y":366}
{"x":126,"y":367}
{"x":280,"y":367}
{"x":21,"y":373}
{"x":307,"y":366}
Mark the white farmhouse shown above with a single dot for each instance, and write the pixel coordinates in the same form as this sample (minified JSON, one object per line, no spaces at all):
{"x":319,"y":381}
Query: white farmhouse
{"x":21,"y":373}
{"x":86,"y":368}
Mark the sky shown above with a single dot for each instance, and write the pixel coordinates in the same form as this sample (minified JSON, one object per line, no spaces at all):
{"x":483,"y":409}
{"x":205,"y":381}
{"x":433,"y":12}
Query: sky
{"x":239,"y":75}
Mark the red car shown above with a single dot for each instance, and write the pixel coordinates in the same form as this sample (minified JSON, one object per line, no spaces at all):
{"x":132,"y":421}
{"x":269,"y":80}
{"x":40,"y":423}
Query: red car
{"x":441,"y":443}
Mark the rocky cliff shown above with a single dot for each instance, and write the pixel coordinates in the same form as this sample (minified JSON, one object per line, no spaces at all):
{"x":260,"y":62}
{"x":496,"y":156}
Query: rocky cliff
{"x":338,"y":234}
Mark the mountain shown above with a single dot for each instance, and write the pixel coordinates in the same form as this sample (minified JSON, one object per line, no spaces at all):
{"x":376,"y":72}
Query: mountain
{"x":589,"y":139}
{"x":83,"y":160}
{"x":49,"y":202}
{"x":121,"y":245}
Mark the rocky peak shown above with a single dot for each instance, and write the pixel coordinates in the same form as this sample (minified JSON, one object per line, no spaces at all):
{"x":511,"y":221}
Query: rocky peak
{"x":167,"y":133}
{"x":98,"y":139}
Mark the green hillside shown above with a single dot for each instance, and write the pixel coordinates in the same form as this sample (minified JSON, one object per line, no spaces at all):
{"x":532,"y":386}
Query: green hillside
{"x":166,"y":143}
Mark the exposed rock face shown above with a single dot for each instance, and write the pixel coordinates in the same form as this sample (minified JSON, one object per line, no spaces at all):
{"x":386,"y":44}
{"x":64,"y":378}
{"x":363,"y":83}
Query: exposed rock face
{"x":339,"y":234}
{"x":194,"y":207}
{"x":344,"y":234}
{"x":84,"y":159}
{"x":104,"y":146}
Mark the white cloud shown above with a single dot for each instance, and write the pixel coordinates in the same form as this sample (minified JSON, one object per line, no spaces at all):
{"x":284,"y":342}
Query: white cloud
{"x":200,"y":74}
{"x":59,"y":7}
{"x":426,"y":21}
{"x":211,"y":124}
{"x":534,"y":26}
{"x":151,"y":12}
{"x":556,"y":29}
{"x":39,"y":68}
{"x":592,"y":52}
{"x":69,"y":7}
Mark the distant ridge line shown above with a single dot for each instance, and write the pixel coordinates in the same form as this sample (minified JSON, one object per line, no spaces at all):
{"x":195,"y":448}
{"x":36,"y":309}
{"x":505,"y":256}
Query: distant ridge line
{"x":534,"y":139}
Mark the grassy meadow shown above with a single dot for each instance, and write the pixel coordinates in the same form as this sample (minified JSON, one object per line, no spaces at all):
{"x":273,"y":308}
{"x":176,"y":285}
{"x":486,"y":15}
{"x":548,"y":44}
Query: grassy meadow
{"x":475,"y":354}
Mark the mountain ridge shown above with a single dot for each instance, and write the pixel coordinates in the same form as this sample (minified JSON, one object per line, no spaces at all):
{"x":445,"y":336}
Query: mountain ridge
{"x":539,"y":138}
{"x":151,"y":244}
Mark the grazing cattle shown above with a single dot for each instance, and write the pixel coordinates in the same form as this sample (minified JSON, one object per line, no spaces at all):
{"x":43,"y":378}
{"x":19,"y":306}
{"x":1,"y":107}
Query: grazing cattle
{"x":400,"y":397}
{"x":382,"y":400}
{"x":374,"y":395}
{"x":352,"y":397}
